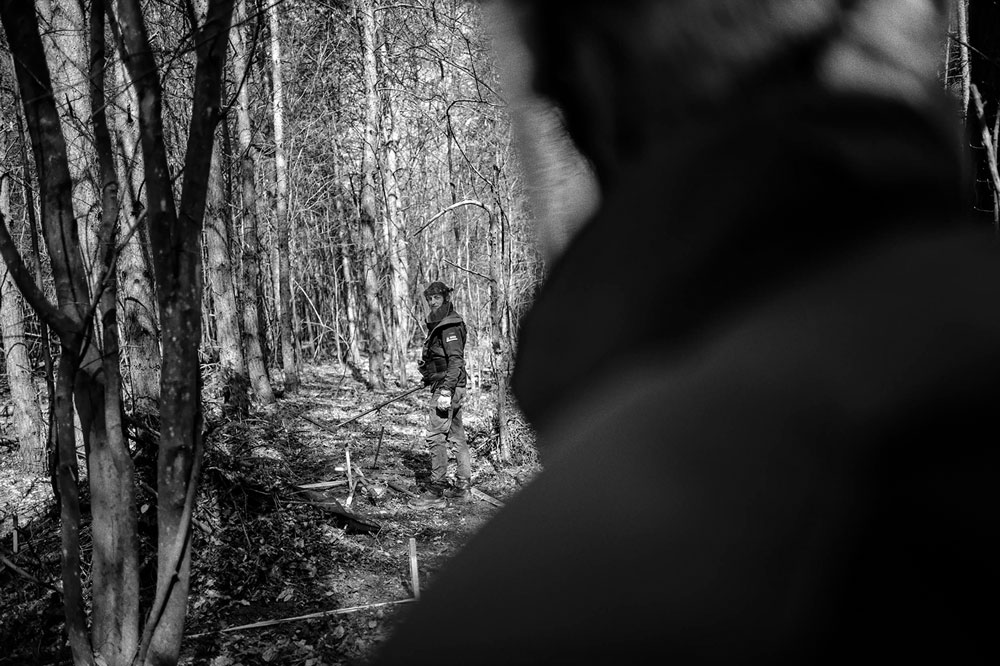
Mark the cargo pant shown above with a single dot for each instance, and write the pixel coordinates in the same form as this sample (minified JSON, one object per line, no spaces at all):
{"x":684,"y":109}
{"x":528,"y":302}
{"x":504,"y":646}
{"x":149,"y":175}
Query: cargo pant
{"x":445,"y":426}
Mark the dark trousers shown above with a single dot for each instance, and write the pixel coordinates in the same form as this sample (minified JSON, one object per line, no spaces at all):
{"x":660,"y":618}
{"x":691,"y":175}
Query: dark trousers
{"x":444,"y":426}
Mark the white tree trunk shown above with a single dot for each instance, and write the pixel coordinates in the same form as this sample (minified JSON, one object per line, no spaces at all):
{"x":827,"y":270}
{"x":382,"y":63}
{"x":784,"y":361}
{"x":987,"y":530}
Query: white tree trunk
{"x":283,"y":223}
{"x":29,"y":427}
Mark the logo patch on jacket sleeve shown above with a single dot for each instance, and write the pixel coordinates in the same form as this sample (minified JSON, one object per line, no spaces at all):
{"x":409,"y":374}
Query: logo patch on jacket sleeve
{"x":451,"y":338}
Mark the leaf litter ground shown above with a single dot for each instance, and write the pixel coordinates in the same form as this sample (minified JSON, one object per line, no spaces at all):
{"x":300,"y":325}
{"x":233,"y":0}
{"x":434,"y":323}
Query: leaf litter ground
{"x":267,"y":550}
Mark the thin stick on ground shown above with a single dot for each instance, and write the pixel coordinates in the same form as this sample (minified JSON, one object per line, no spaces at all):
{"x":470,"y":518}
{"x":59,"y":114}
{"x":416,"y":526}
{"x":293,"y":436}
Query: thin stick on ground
{"x":310,"y":616}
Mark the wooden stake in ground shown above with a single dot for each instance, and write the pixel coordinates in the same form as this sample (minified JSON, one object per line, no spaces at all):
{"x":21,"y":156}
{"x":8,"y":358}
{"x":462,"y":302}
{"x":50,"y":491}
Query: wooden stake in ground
{"x":378,"y":448}
{"x":350,"y":477}
{"x":414,"y":576}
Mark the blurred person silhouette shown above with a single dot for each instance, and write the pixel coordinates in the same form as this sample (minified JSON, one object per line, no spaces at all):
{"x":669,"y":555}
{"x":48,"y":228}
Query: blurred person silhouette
{"x":442,"y":365}
{"x":764,"y":372}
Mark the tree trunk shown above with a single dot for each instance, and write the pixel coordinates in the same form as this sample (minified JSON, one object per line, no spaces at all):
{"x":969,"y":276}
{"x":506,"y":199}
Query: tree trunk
{"x":499,"y":355}
{"x":70,"y":317}
{"x":347,"y":271}
{"x":176,"y":241}
{"x":65,"y":42}
{"x":350,"y":295}
{"x":251,"y":241}
{"x":220,"y":281}
{"x":399,"y":263}
{"x":139,"y":325}
{"x":28,"y":424}
{"x":962,"y":7}
{"x":115,"y":560}
{"x":376,"y":344}
{"x":283,"y":223}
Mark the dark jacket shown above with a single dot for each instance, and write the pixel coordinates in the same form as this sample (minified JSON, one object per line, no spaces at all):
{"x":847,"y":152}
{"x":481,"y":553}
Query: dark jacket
{"x":443,"y":357}
{"x":780,"y":446}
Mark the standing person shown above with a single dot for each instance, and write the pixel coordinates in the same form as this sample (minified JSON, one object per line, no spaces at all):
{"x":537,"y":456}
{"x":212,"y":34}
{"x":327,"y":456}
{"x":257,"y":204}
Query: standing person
{"x":443,"y":368}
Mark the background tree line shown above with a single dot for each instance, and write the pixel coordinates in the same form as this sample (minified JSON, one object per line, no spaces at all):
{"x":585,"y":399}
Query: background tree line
{"x":221,"y":191}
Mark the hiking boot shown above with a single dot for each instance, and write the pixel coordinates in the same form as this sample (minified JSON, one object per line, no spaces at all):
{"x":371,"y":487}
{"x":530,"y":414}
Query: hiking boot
{"x":429,"y":499}
{"x":462,"y":490}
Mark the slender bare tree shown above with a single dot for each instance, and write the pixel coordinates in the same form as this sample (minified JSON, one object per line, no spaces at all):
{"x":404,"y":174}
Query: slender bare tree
{"x":369,"y":210}
{"x":285,"y":302}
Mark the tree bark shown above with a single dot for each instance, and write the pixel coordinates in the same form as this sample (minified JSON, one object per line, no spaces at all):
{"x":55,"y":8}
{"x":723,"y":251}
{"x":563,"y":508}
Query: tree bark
{"x":498,"y":357}
{"x":250,"y":290}
{"x":395,"y":223}
{"x":376,"y":344}
{"x":66,"y":51}
{"x":139,"y":325}
{"x":28,"y":424}
{"x":70,"y":317}
{"x":115,"y":560}
{"x":235,"y":382}
{"x":175,"y":236}
{"x":350,"y":295}
{"x":965,"y":69}
{"x":283,"y":223}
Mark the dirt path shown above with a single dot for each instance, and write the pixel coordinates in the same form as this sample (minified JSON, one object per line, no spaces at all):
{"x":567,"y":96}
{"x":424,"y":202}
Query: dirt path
{"x":266,"y":551}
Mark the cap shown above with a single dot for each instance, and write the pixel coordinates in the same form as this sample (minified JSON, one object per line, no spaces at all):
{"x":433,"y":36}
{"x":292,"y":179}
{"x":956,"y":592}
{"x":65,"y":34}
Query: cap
{"x":437,"y":288}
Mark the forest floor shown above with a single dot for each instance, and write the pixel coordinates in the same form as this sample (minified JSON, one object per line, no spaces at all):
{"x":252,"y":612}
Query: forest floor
{"x":267,"y":551}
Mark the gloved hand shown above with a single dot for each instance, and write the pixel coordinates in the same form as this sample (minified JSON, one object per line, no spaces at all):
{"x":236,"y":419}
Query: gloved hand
{"x":444,"y":401}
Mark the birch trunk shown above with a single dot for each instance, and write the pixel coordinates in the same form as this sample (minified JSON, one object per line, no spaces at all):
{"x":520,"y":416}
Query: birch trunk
{"x":283,"y":223}
{"x":399,"y":264}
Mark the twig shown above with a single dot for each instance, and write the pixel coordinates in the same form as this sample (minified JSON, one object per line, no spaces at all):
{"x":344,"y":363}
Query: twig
{"x":310,"y":616}
{"x":469,"y":270}
{"x":467,"y":202}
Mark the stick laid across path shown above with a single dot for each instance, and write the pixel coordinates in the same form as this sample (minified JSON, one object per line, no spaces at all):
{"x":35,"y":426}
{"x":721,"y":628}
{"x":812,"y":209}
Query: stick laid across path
{"x":310,"y":616}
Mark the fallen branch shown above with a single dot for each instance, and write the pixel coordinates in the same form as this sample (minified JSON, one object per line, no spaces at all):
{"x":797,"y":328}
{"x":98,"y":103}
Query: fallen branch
{"x":399,"y":487}
{"x":310,"y":616}
{"x":476,"y":492}
{"x":322,"y":485}
{"x":4,"y":562}
{"x":345,"y":518}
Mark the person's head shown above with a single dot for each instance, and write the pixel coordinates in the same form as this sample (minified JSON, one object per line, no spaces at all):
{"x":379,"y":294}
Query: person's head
{"x":437,"y":294}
